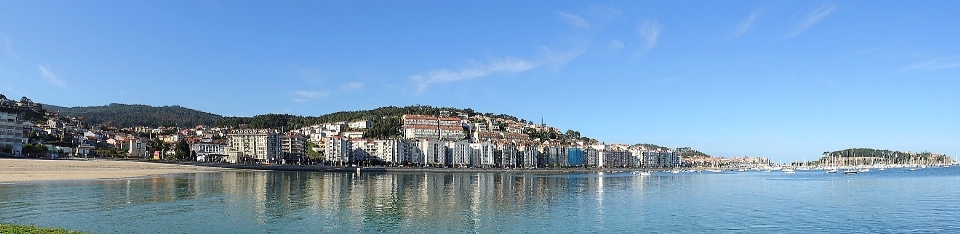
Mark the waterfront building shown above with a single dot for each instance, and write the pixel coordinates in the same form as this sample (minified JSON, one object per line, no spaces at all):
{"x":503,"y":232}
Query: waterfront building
{"x":508,"y":155}
{"x":137,"y":147}
{"x":293,"y":148}
{"x":528,"y":155}
{"x":411,"y":152}
{"x":561,"y":156}
{"x":575,"y":157}
{"x":434,"y":153}
{"x":206,"y":150}
{"x":598,"y":154}
{"x":11,"y":132}
{"x":338,"y":149}
{"x":482,"y":154}
{"x":637,"y":153}
{"x":592,"y":157}
{"x":617,"y":157}
{"x":458,"y":153}
{"x":660,"y":159}
{"x":387,"y":150}
{"x":253,"y":146}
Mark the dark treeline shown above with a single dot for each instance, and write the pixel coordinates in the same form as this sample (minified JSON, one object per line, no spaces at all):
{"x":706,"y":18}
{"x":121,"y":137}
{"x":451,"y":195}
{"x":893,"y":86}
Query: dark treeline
{"x":386,"y":120}
{"x":888,"y":156}
{"x":123,"y":115}
{"x":652,"y":146}
{"x":693,"y":153}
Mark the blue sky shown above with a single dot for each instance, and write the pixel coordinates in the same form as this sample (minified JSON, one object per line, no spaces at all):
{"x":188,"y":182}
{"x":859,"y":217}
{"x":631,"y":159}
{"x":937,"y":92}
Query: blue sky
{"x":781,"y":79}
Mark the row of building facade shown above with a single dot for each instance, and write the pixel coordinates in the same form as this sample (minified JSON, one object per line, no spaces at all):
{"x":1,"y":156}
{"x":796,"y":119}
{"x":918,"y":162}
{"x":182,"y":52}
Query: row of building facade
{"x":426,"y":152}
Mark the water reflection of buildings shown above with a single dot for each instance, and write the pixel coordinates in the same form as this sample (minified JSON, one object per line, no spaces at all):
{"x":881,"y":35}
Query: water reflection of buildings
{"x":375,"y":202}
{"x":390,"y":201}
{"x":365,"y":202}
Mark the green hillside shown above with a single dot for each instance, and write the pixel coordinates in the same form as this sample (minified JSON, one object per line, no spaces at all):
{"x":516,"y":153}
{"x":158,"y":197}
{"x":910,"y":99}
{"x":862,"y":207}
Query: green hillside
{"x":124,"y":115}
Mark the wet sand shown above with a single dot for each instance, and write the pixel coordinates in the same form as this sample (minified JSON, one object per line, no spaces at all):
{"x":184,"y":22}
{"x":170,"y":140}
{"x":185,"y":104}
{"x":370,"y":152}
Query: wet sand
{"x":22,"y":170}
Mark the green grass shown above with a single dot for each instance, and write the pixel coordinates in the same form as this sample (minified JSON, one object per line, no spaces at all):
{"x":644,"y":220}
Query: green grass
{"x":20,"y":229}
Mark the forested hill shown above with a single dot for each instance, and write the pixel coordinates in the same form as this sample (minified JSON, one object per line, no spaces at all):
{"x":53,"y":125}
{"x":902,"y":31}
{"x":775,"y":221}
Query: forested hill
{"x":123,"y":115}
{"x":385,"y":119}
{"x":286,"y":121}
{"x":889,"y":156}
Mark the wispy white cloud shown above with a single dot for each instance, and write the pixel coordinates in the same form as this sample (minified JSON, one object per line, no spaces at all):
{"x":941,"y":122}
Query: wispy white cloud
{"x":936,"y":64}
{"x":650,"y":33}
{"x":745,"y":25}
{"x":607,"y":12}
{"x":8,"y":47}
{"x":574,"y":20}
{"x":874,"y":49}
{"x":439,"y":76}
{"x":310,"y":75}
{"x":615,"y":45}
{"x":311,"y":94}
{"x":815,"y":16}
{"x":351,"y":86}
{"x":50,"y":77}
{"x":680,"y":76}
{"x":559,"y":59}
{"x":300,"y":100}
{"x":825,"y":81}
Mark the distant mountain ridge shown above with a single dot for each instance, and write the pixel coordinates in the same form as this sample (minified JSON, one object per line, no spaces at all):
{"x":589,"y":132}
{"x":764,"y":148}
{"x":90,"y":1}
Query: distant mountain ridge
{"x":126,"y":115}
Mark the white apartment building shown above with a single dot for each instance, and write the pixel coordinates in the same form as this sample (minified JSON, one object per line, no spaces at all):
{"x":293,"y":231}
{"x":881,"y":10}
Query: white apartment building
{"x":432,"y":127}
{"x":11,"y":133}
{"x":433,"y":152}
{"x":338,"y":149}
{"x":136,"y":147}
{"x":253,"y":146}
{"x":482,"y":154}
{"x":555,"y":156}
{"x":508,"y":155}
{"x":458,"y":153}
{"x":209,"y":151}
{"x":362,"y":124}
{"x":293,"y":148}
{"x":389,"y":150}
{"x":529,"y":154}
{"x":421,"y":132}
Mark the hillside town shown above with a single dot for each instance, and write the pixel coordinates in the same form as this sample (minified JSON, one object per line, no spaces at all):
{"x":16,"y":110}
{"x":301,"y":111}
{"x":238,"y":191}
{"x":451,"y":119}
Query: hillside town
{"x":456,"y":140}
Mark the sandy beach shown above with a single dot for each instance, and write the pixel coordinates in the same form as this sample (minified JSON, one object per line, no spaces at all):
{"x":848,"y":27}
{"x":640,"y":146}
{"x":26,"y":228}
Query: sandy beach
{"x":22,"y":170}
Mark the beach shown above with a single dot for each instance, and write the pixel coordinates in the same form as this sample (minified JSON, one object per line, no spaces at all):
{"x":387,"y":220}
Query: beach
{"x":23,"y":170}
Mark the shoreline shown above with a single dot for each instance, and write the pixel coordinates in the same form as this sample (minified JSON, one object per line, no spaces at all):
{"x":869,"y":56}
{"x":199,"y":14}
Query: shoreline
{"x":16,"y":170}
{"x":38,"y":170}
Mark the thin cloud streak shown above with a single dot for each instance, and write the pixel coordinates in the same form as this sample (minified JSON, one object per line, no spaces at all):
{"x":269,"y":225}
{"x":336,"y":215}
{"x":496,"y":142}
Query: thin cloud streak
{"x":607,"y":12}
{"x":615,"y":45}
{"x":575,"y":20}
{"x":814,"y":17}
{"x":745,"y":26}
{"x":936,"y":64}
{"x":311,"y":94}
{"x":352,"y":86}
{"x":650,"y":33}
{"x":506,"y":65}
{"x":8,"y":46}
{"x":51,"y":78}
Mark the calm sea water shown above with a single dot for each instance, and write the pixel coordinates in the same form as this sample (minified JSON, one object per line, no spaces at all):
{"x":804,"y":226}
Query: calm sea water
{"x":890,"y":201}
